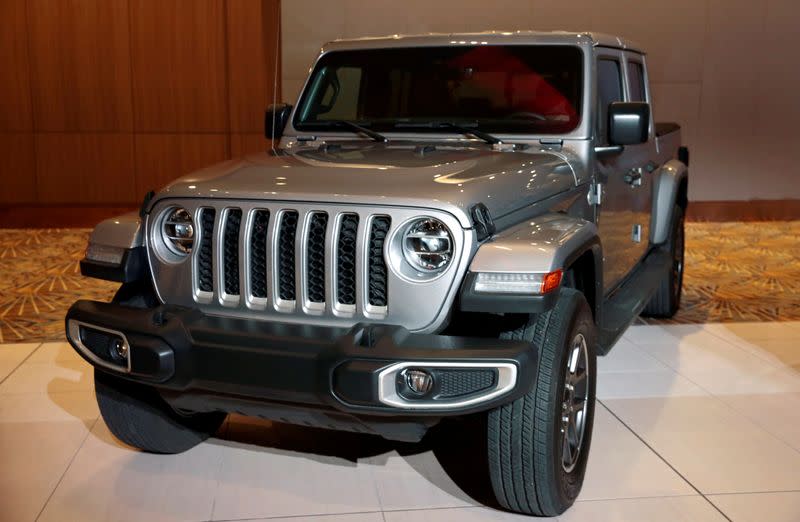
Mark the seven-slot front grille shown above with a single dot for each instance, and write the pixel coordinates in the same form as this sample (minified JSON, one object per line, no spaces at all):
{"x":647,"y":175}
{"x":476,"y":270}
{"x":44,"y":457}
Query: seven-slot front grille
{"x":325,"y":273}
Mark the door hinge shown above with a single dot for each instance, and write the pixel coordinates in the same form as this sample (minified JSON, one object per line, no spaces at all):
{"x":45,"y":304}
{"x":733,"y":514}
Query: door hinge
{"x":595,"y":195}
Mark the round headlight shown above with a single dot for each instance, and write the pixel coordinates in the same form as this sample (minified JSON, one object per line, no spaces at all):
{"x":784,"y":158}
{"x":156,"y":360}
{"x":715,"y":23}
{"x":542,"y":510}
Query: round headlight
{"x":428,"y":245}
{"x":178,"y":231}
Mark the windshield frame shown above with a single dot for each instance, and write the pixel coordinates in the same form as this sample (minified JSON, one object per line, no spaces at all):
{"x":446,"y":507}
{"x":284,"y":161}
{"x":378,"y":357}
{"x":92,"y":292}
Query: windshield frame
{"x":581,"y":131}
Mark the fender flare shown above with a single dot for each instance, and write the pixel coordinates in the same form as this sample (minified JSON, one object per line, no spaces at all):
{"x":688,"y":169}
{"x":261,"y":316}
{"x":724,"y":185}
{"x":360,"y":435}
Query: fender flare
{"x":541,"y":245}
{"x":121,"y":241}
{"x":666,"y":194}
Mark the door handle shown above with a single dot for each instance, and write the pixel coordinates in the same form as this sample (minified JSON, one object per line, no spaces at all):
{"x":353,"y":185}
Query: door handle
{"x":634,"y":177}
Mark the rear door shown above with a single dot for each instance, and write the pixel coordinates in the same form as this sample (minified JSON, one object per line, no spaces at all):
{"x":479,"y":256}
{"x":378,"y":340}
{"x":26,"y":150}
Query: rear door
{"x":637,"y":159}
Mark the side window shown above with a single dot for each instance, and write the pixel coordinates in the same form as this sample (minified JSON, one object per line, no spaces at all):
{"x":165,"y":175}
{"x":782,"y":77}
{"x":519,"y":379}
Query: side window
{"x":636,"y":82}
{"x":609,"y":89}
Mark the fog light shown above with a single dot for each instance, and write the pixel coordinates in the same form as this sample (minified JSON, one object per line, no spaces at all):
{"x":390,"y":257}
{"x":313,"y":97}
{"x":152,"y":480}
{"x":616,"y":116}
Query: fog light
{"x":418,"y":381}
{"x":118,"y":349}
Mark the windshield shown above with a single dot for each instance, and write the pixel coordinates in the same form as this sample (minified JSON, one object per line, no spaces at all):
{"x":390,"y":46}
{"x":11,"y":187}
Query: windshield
{"x":495,"y":88}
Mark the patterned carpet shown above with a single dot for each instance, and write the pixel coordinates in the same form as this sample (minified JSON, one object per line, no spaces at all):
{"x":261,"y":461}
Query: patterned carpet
{"x":734,"y":272}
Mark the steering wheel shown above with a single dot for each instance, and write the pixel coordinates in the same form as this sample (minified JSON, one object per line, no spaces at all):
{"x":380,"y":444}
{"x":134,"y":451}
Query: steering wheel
{"x":527,"y":115}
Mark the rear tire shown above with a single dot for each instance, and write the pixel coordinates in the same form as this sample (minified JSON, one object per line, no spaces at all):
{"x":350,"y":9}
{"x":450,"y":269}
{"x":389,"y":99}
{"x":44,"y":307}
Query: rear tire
{"x":537,"y":459}
{"x":667,"y":299}
{"x":138,"y":416}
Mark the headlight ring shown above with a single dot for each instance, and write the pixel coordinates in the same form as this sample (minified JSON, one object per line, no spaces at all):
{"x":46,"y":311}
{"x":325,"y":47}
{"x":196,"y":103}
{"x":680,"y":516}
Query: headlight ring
{"x":177,"y":231}
{"x":428,"y":245}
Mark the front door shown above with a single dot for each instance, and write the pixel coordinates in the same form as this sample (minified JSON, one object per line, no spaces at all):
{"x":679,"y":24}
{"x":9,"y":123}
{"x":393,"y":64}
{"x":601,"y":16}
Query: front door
{"x":616,"y":214}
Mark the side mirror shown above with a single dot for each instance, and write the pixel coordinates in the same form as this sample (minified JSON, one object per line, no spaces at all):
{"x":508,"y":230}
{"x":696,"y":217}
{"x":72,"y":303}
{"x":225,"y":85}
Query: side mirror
{"x":275,"y":119}
{"x":628,"y":123}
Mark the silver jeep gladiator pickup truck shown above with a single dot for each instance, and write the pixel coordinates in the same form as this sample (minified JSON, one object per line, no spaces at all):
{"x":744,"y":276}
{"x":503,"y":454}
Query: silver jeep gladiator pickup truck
{"x":448,"y":226}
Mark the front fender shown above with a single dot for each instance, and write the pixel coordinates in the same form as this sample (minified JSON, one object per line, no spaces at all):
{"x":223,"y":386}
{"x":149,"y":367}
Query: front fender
{"x":116,"y":250}
{"x":541,"y":245}
{"x":667,"y":190}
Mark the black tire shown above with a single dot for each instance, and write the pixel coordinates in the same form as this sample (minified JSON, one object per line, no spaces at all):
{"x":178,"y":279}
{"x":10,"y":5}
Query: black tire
{"x":138,"y":416}
{"x":525,"y":445}
{"x":667,"y":299}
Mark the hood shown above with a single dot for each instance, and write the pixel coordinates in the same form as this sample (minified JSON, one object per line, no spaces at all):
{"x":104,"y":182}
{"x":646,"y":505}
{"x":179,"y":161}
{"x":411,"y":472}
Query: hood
{"x":449,"y":178}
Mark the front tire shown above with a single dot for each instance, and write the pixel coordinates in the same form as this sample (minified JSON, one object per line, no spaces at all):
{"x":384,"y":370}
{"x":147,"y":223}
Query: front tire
{"x":538,"y":445}
{"x":138,"y":416}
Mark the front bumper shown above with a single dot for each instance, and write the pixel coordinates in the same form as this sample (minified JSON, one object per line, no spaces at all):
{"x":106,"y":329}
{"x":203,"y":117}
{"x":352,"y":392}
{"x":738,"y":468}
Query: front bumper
{"x":307,"y":374}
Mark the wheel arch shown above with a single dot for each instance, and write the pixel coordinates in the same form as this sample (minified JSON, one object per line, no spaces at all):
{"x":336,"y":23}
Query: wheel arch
{"x":542,"y":245}
{"x":672,"y":187}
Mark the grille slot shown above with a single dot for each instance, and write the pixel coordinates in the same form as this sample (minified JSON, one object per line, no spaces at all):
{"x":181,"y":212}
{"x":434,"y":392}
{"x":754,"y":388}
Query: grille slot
{"x":315,"y":257}
{"x":286,"y":257}
{"x":296,"y":262}
{"x":205,"y":274}
{"x":230,"y":256}
{"x":258,"y":254}
{"x":376,"y":265}
{"x":346,"y":260}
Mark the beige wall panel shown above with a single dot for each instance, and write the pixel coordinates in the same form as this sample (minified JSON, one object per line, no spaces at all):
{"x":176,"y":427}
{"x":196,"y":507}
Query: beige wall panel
{"x":672,"y":33}
{"x":305,"y":26}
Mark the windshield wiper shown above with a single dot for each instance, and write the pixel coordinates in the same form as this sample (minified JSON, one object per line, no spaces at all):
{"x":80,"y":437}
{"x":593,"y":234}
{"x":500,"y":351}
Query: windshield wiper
{"x":358,"y":128}
{"x":463,"y":129}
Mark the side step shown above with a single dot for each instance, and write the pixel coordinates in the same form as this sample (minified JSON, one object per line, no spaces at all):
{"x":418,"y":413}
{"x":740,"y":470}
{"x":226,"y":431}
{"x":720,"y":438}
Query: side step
{"x":622,"y":307}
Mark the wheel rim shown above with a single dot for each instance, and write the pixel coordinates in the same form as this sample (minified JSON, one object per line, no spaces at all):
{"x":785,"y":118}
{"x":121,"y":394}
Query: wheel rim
{"x":575,"y":402}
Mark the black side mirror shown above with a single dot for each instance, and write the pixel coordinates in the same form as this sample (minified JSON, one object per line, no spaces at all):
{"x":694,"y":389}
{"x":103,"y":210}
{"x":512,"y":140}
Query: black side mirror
{"x":275,"y":119}
{"x":628,"y":123}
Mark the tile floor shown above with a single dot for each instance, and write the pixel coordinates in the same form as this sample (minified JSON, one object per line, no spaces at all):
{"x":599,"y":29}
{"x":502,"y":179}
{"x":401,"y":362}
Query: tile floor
{"x":696,"y":423}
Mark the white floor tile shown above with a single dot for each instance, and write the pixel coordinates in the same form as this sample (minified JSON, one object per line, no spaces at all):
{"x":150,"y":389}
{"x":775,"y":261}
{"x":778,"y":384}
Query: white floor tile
{"x":636,"y":470}
{"x":62,"y":376}
{"x":648,"y":334}
{"x":624,"y":385}
{"x":108,"y":481}
{"x":749,"y":331}
{"x":760,"y":507}
{"x":470,"y":514}
{"x":34,"y":455}
{"x":263,"y":481}
{"x":349,"y":517}
{"x":777,"y":413}
{"x":781,"y":353}
{"x":11,"y":355}
{"x":55,"y":352}
{"x":721,"y":367}
{"x":717,"y":449}
{"x":626,"y":356}
{"x":44,"y":407}
{"x":415,"y":481}
{"x":668,"y":509}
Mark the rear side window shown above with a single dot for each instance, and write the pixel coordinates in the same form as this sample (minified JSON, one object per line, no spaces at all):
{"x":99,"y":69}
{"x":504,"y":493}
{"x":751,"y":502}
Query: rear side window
{"x":636,"y":79}
{"x":609,"y":89}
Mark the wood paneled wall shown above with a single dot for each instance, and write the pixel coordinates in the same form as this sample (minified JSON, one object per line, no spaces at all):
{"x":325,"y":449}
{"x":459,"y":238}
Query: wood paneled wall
{"x":103,"y":100}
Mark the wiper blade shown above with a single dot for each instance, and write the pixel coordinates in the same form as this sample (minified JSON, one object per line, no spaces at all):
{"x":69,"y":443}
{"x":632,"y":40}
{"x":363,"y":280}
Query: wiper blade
{"x":463,"y":129}
{"x":358,"y":128}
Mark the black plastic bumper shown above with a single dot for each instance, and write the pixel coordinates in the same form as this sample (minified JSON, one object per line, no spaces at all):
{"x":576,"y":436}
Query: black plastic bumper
{"x":202,"y":362}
